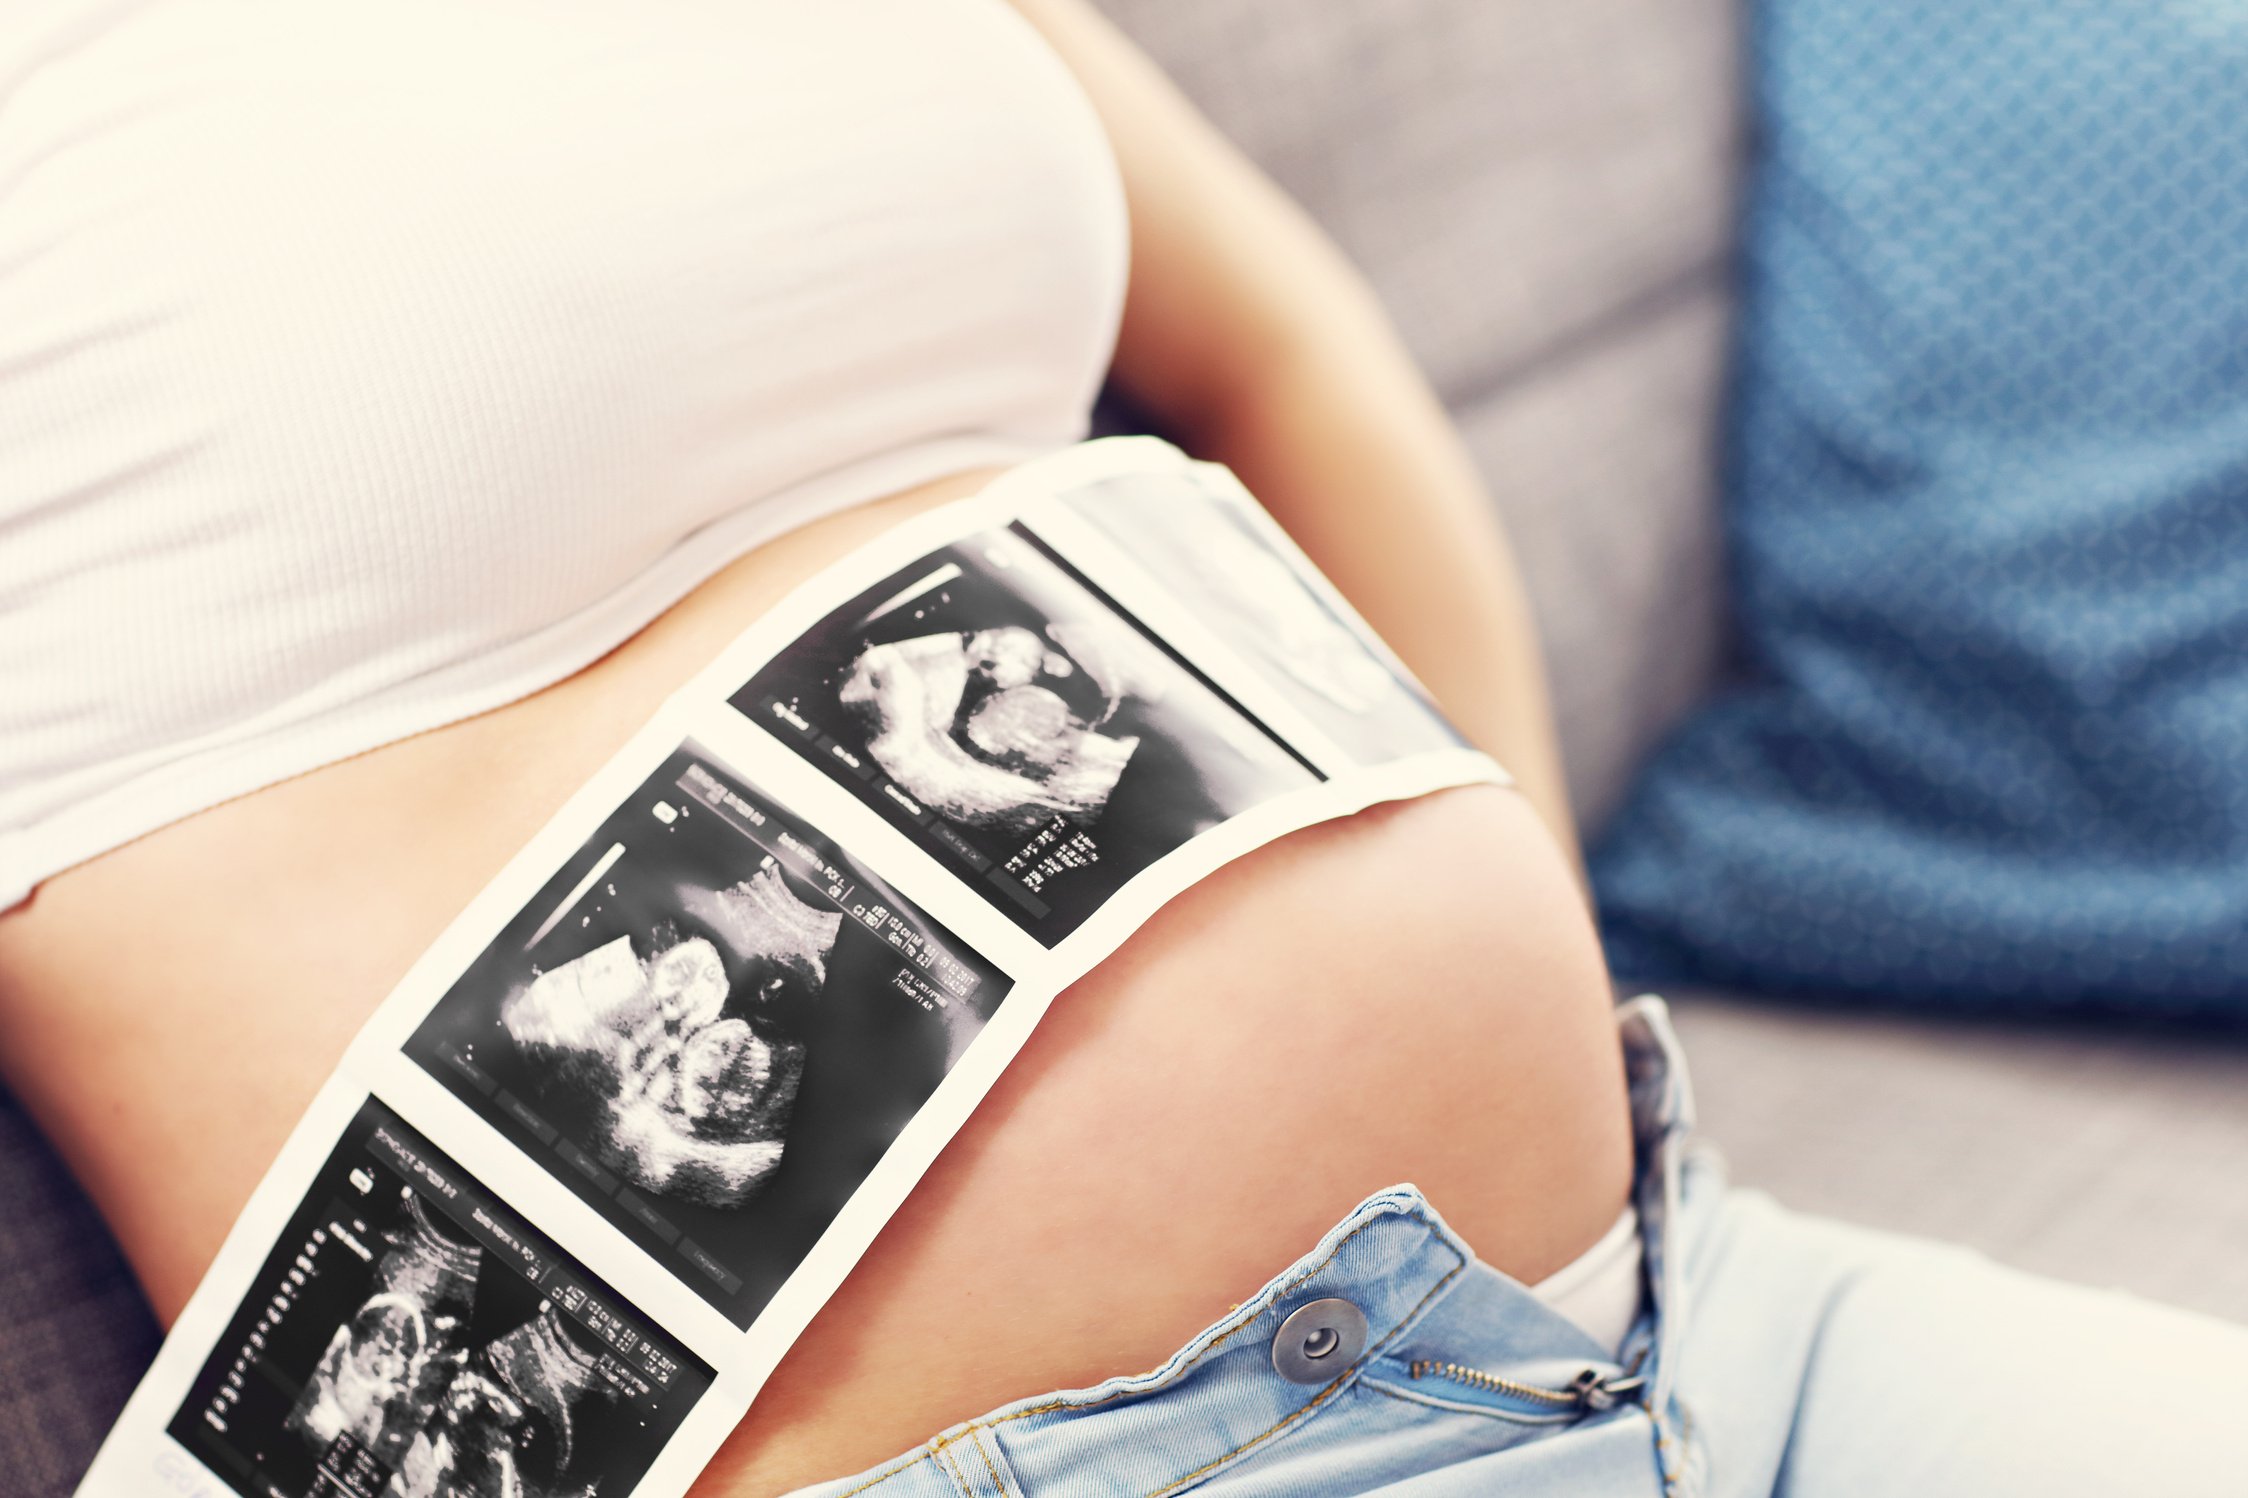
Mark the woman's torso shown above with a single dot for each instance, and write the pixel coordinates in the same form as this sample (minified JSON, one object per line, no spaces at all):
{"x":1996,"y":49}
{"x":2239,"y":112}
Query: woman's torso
{"x":1292,"y":1033}
{"x":1298,"y":1030}
{"x":363,"y":370}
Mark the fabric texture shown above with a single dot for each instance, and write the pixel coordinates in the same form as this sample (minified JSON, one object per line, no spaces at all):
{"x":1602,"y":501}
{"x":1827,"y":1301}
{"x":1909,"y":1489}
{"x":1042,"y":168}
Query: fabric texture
{"x":1600,"y":1289}
{"x":1780,"y":1357}
{"x":1542,"y":195}
{"x":1989,"y":516}
{"x":366,"y":370}
{"x":2099,"y":1154}
{"x":75,"y":1334}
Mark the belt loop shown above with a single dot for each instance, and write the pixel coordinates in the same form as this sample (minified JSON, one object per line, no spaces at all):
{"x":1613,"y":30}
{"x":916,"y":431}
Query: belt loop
{"x":968,"y":1457}
{"x":1662,"y":1105}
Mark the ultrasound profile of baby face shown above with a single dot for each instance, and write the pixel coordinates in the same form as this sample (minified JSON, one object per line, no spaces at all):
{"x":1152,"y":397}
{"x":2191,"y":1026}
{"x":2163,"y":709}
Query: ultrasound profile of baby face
{"x":385,"y":1367}
{"x":405,"y":1382}
{"x":688,"y":1080}
{"x":507,"y":1424}
{"x":1001,"y":728}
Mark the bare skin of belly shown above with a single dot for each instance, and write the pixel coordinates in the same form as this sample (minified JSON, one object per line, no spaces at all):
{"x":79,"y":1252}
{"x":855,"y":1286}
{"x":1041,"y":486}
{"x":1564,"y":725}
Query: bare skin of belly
{"x":1411,"y":994}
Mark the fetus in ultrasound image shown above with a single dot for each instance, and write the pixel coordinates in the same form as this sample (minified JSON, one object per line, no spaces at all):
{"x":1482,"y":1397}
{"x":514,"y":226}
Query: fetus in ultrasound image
{"x":977,"y":727}
{"x":710,"y":1023}
{"x":406,"y":1381}
{"x":1222,"y":559}
{"x":410,"y":1338}
{"x":386,"y":1368}
{"x":688,"y":1092}
{"x":1018,"y":724}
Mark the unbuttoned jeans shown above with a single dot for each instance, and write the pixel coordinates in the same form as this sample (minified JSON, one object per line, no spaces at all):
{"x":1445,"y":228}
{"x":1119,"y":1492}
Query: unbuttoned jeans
{"x":1776,"y":1355}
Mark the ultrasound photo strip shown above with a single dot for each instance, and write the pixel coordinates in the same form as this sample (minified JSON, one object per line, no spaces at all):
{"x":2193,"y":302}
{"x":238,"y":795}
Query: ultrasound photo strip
{"x":687,"y":1053}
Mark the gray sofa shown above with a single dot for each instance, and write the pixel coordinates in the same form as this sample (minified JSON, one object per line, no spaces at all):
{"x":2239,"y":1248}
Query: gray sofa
{"x":1543,"y":194}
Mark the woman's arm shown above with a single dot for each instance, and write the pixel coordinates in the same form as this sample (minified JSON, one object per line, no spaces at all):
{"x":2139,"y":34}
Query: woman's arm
{"x":1250,"y":338}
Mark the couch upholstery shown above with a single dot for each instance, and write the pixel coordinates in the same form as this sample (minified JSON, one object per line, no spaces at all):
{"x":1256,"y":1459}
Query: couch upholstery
{"x":1542,"y":194}
{"x":74,"y":1332}
{"x":2107,"y":1155}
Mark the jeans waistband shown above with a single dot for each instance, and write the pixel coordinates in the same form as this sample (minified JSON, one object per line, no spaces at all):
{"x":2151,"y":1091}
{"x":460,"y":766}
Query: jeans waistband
{"x":1442,"y":1331}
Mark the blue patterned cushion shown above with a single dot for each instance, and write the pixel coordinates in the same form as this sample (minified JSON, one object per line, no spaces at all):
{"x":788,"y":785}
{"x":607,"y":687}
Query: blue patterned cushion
{"x":1989,"y":524}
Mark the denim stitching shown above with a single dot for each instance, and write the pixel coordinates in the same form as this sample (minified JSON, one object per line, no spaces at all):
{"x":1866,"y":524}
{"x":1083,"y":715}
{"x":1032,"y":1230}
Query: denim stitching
{"x":1282,"y":1292}
{"x":951,"y":1465}
{"x":997,"y":1487}
{"x":1322,"y":1397}
{"x":879,"y":1478}
{"x":1256,"y":1440}
{"x":1052,"y":1406}
{"x":1675,"y":1478}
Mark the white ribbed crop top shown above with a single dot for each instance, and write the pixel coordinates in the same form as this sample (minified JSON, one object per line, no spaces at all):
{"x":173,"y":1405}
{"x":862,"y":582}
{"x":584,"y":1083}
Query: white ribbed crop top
{"x":365,"y":367}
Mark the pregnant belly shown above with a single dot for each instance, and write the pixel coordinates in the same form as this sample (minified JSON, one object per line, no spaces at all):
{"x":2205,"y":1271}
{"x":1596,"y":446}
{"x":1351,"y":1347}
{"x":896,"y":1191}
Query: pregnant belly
{"x":1413,"y":993}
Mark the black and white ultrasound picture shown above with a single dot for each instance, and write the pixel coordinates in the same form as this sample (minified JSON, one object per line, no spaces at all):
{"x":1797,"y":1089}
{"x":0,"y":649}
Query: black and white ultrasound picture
{"x":1018,"y":725}
{"x":411,"y":1337}
{"x":1202,"y":544}
{"x":710,"y":1024}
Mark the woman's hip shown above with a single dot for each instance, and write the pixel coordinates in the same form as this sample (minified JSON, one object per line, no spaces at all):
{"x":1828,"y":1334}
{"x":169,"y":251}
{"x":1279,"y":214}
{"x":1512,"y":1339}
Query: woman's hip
{"x":1774,"y":1354}
{"x":1292,"y":1034}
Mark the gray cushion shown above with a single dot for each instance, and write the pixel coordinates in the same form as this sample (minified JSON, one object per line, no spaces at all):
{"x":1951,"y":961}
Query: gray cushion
{"x":74,"y":1332}
{"x":1542,"y":196}
{"x":2106,"y":1155}
{"x":1596,"y":450}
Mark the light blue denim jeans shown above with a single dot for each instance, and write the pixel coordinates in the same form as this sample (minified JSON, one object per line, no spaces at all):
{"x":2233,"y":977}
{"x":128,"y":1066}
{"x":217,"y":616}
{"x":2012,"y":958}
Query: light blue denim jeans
{"x":1776,"y":1355}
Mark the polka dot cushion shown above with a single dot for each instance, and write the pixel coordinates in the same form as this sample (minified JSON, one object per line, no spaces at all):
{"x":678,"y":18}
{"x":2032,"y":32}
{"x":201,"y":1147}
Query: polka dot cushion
{"x":1989,"y":524}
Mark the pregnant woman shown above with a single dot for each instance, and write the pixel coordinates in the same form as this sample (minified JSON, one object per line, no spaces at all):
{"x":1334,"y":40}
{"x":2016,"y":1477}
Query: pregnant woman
{"x":400,"y":402}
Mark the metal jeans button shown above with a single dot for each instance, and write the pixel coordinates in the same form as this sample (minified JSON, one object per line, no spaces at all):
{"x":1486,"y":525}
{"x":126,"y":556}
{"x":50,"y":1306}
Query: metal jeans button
{"x":1318,"y":1341}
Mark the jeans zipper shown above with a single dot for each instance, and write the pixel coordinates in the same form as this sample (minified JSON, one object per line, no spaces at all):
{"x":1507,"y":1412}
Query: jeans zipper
{"x":1590,"y":1391}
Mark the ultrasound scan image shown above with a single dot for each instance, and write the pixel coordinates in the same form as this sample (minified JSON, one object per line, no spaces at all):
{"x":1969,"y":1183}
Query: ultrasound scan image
{"x":976,"y":727}
{"x":689,"y":1097}
{"x":1202,"y":543}
{"x":709,"y":1025}
{"x":410,"y":1337}
{"x":1020,"y":726}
